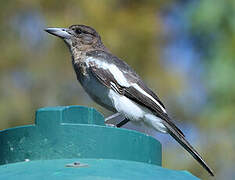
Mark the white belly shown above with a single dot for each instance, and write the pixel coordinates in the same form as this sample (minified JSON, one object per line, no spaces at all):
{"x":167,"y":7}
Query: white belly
{"x":135,"y":112}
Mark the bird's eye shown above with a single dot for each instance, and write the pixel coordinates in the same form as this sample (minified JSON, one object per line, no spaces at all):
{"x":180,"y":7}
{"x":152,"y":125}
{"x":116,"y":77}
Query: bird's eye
{"x":78,"y":31}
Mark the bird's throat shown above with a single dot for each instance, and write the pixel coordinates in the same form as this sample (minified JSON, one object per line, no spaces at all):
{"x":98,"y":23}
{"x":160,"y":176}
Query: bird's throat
{"x":78,"y":55}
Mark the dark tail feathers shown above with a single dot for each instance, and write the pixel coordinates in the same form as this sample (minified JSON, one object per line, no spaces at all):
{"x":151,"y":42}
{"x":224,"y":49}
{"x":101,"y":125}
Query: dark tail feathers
{"x":181,"y":139}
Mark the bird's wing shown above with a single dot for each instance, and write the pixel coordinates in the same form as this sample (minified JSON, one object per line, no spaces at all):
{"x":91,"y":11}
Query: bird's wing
{"x":117,"y":75}
{"x":139,"y":95}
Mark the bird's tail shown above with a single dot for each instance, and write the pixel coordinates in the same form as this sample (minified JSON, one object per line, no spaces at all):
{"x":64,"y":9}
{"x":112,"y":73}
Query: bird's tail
{"x":181,"y":139}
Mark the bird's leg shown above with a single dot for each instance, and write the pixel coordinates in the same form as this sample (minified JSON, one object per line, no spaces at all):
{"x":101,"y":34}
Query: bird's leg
{"x":116,"y":119}
{"x":109,"y":119}
{"x":123,"y":122}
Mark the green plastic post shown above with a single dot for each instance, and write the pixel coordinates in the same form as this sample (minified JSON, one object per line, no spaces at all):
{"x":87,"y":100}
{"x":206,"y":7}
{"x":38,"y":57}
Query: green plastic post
{"x":76,"y":134}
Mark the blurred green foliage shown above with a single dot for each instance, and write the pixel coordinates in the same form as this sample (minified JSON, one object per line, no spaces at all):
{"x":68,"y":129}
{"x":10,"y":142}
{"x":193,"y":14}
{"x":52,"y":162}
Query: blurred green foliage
{"x":215,"y":19}
{"x":36,"y":71}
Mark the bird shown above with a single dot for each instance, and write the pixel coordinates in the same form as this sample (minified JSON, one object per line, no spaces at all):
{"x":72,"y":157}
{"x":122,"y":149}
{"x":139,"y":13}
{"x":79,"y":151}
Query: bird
{"x":113,"y":84}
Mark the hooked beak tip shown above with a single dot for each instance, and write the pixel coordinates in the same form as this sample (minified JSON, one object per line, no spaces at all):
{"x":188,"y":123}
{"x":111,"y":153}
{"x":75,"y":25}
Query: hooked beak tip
{"x":47,"y":29}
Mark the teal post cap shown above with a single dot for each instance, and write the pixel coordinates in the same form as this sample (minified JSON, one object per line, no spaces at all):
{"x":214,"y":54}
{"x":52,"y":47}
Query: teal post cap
{"x":68,"y":142}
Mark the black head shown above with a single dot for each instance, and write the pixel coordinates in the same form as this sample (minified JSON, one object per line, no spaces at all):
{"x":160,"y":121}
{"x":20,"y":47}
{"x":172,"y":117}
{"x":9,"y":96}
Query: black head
{"x":76,"y":35}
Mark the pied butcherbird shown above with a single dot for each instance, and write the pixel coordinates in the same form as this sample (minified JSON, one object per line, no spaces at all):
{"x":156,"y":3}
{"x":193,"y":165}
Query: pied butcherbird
{"x":113,"y":84}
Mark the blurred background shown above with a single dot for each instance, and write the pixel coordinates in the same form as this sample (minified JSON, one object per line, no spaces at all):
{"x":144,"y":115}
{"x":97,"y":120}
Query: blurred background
{"x":184,"y":50}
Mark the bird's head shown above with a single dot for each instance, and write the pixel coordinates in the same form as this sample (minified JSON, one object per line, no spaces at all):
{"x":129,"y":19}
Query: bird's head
{"x":79,"y":36}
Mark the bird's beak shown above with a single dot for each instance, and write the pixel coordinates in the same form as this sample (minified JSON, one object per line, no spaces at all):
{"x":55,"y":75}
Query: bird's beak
{"x":60,"y":32}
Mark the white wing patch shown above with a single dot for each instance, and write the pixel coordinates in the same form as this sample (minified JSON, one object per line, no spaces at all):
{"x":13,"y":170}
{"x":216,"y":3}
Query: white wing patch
{"x":148,"y":95}
{"x":118,"y":75}
{"x":120,"y":78}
